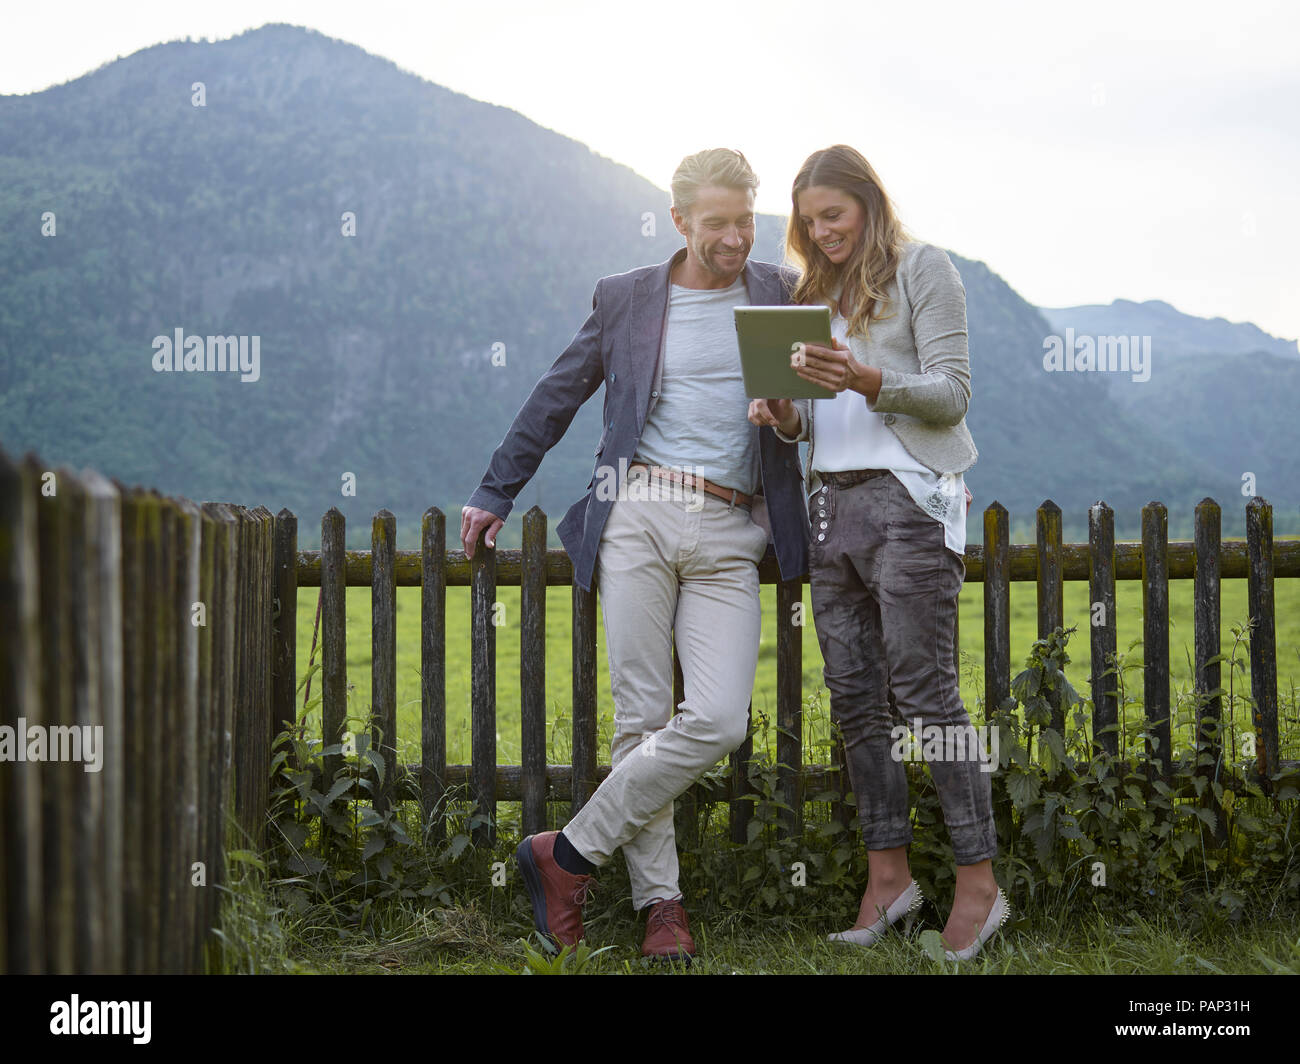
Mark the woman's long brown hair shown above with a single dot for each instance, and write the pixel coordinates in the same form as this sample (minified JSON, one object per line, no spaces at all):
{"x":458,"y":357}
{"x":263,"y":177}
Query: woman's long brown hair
{"x":874,"y":260}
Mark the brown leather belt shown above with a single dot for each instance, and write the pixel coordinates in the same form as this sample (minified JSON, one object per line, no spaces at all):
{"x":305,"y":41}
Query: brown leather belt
{"x":851,"y":477}
{"x":736,"y":498}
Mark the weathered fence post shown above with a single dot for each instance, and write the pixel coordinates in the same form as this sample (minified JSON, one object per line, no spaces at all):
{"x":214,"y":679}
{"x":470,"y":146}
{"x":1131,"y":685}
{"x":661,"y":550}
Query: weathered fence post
{"x":284,"y":660}
{"x":1155,"y":635}
{"x":383,"y":652}
{"x":155,"y":682}
{"x":22,"y":936}
{"x":997,"y":608}
{"x":241,"y":740}
{"x":742,"y":809}
{"x":532,"y":670}
{"x":183,"y":751}
{"x":334,"y":638}
{"x":56,"y":621}
{"x":170,"y":640}
{"x":205,"y":747}
{"x":135,"y":686}
{"x":224,"y":528}
{"x":253,"y":710}
{"x":789,"y":700}
{"x":1207,"y":676}
{"x":483,"y":697}
{"x":264,"y":583}
{"x":84,"y":793}
{"x":1263,"y":638}
{"x":1103,"y":629}
{"x":105,"y":538}
{"x":1051,"y":609}
{"x":433,"y":668}
{"x":584,"y":695}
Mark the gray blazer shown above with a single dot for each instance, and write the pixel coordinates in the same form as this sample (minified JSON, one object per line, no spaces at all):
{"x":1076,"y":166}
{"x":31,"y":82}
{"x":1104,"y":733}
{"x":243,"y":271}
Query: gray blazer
{"x":621,"y":346}
{"x":920,"y":347}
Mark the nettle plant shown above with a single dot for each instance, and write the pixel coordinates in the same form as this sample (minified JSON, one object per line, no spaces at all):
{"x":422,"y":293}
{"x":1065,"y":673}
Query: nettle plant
{"x":1111,"y":829}
{"x":775,"y":871}
{"x":329,"y":843}
{"x":1074,"y":823}
{"x":1081,"y":824}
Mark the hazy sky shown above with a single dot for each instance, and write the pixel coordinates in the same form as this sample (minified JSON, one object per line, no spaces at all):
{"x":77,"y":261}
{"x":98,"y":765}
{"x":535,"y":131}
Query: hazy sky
{"x":1085,"y":152}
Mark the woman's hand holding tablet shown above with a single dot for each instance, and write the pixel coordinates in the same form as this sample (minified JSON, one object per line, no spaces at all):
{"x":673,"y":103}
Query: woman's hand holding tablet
{"x":768,"y":338}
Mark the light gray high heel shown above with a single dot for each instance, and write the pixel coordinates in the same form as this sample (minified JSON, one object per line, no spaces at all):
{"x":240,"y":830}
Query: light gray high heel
{"x":906,"y":904}
{"x":997,"y":917}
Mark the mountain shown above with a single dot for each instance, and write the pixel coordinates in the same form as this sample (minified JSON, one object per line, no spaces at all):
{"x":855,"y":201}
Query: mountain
{"x":1058,"y":435}
{"x":1260,"y":436}
{"x":1217,"y":389}
{"x":400,"y":354}
{"x":1174,"y":335}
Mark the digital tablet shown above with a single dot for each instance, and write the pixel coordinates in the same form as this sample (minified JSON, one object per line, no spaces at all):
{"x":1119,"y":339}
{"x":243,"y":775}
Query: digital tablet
{"x":768,"y":336}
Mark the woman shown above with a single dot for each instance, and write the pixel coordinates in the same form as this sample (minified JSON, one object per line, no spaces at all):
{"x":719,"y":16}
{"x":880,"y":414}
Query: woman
{"x":885,"y":463}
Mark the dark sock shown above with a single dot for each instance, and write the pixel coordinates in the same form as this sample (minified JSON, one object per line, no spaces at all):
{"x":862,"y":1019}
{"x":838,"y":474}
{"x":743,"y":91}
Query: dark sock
{"x":570,"y":859}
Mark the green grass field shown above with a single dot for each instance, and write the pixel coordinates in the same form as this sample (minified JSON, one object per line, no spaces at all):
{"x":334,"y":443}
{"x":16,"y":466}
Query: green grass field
{"x":468,"y":941}
{"x":1054,"y":933}
{"x":816,"y":716}
{"x":484,"y":931}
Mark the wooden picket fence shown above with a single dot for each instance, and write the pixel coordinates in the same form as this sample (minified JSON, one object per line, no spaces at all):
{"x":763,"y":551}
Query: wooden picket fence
{"x":1101,"y":561}
{"x":172,"y":626}
{"x":151,"y":618}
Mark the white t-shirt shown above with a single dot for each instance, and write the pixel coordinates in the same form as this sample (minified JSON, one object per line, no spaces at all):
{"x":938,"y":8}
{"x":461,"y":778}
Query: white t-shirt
{"x":852,"y":436}
{"x":700,"y":423}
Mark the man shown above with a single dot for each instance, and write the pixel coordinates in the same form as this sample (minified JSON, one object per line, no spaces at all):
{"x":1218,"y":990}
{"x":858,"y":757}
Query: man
{"x":683,"y":561}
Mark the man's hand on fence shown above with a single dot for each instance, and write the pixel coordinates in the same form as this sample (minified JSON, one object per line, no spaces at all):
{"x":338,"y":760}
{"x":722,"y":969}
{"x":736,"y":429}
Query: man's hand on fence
{"x":472,"y":522}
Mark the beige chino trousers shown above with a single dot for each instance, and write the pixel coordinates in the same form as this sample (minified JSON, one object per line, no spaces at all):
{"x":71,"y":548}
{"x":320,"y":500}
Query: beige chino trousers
{"x":683,"y":566}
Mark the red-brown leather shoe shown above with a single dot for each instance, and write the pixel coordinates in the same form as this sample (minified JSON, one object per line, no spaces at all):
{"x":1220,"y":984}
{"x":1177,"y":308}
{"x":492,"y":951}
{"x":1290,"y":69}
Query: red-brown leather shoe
{"x":666,"y":932}
{"x":557,"y":895}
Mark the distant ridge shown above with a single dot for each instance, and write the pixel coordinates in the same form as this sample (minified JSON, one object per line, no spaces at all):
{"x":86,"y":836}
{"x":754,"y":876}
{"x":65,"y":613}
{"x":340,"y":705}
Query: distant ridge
{"x":1173,"y":333}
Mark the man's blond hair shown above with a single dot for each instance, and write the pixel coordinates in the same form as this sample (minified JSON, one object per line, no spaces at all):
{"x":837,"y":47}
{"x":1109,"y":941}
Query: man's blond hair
{"x":722,"y":167}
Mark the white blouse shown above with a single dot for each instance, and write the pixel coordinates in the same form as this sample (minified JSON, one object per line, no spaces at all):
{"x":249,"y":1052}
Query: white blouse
{"x":851,"y":436}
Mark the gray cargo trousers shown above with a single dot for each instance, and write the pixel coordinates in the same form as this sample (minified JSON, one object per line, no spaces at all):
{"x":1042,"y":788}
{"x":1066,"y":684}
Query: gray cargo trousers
{"x":884,"y":596}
